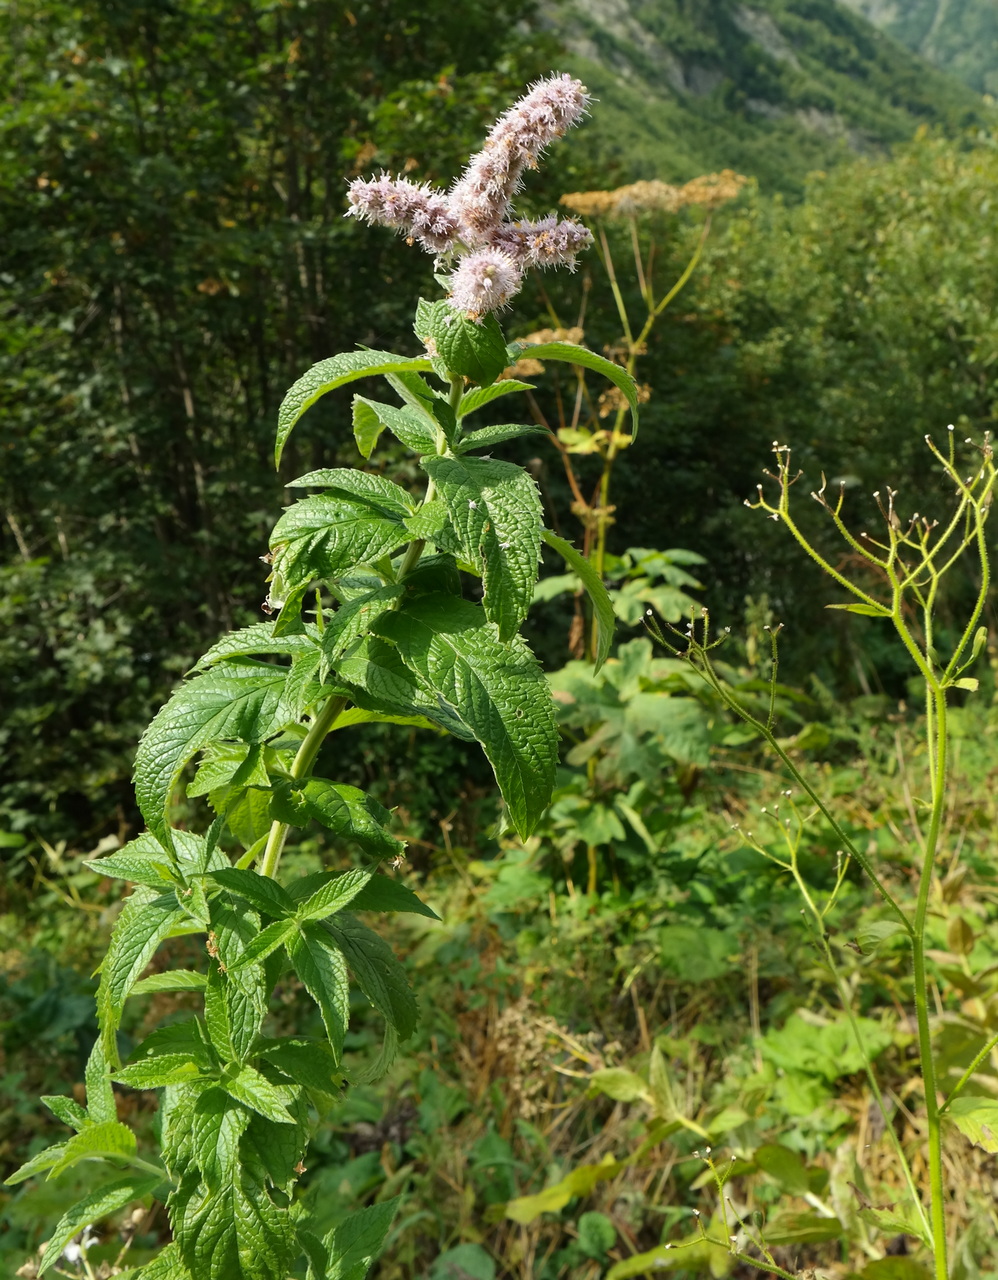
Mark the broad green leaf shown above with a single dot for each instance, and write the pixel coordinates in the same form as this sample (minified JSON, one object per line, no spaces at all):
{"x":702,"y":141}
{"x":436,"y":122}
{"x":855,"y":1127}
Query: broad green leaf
{"x":378,"y":972}
{"x":290,"y":601}
{"x":485,"y":437}
{"x":480,"y":396}
{"x":977,"y":1119}
{"x":216,"y":1014}
{"x":802,"y":1228}
{"x":145,"y":920}
{"x":381,"y":681}
{"x":323,"y":973}
{"x":356,"y":1243}
{"x":327,"y":537}
{"x":582,"y":356}
{"x":238,"y":1233}
{"x":101,"y":1105}
{"x":602,"y":606}
{"x":428,"y":521}
{"x":41,"y":1162}
{"x":230,"y":764}
{"x":352,"y":815}
{"x":184,"y":1039}
{"x":233,"y":700}
{"x":784,"y":1166}
{"x":218,"y":1122}
{"x":270,"y":1151}
{"x":164,"y":1069}
{"x":236,"y":927}
{"x":265,"y":943}
{"x":364,"y":486}
{"x":255,"y":1091}
{"x":334,"y":895}
{"x":246,"y":811}
{"x":255,"y":641}
{"x":137,"y":868}
{"x":67,"y":1110}
{"x":262,"y":891}
{"x":970,"y":683}
{"x":173,"y":979}
{"x":496,"y":690}
{"x":167,"y":1265}
{"x":579,"y":1182}
{"x":108,"y":1140}
{"x":353,"y":618}
{"x":334,"y":372}
{"x":468,"y":348}
{"x":870,"y":936}
{"x":383,"y":894}
{"x":495,"y":509}
{"x":301,"y":689}
{"x":416,"y":429}
{"x":110,"y":1198}
{"x":309,"y":1063}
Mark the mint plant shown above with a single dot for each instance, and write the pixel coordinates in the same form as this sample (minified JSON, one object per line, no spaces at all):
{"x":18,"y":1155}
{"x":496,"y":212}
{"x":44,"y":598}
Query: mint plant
{"x":369,"y":623}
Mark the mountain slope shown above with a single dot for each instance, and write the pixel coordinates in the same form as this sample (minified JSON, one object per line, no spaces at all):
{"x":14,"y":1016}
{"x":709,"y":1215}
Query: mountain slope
{"x":774,"y":88}
{"x":959,"y":36}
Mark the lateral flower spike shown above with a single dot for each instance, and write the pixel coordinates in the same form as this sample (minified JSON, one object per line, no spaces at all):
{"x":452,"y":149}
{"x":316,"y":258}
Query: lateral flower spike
{"x":472,"y":226}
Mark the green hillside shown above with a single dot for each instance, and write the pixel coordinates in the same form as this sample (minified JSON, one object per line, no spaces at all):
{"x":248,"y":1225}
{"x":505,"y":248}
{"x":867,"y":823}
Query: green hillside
{"x":960,"y":36}
{"x":775,"y":89}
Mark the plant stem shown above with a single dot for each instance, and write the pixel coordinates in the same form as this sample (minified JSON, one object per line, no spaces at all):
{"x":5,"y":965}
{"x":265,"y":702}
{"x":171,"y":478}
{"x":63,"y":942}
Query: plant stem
{"x":957,"y":1088}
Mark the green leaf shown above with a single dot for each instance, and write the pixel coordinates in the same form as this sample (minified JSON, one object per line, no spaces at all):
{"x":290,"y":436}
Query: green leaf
{"x":867,"y":610}
{"x":802,"y":1228}
{"x":67,"y":1110}
{"x":428,"y":521}
{"x":39,"y":1163}
{"x":237,"y":928}
{"x":265,"y":943}
{"x":239,"y":1233}
{"x":270,"y":1151}
{"x":382,"y":682}
{"x":414,"y":427}
{"x":137,"y":868}
{"x":353,"y":618}
{"x":107,"y":1140}
{"x":378,"y":972}
{"x":898,"y":1220}
{"x":230,"y":764}
{"x":870,"y":936}
{"x":166,"y":1266}
{"x":246,"y":811}
{"x":593,"y":583}
{"x":234,"y":700}
{"x":101,"y":1203}
{"x":334,"y":895}
{"x":970,"y":683}
{"x":495,"y":509}
{"x":354,"y":1244}
{"x":301,"y":688}
{"x":218,"y":1121}
{"x":484,"y":437}
{"x":526,"y":1209}
{"x":977,"y":1119}
{"x":581,"y":356}
{"x":485,"y":395}
{"x":323,"y":973}
{"x":326,"y":537}
{"x":255,"y":1091}
{"x":470,"y":349}
{"x":309,"y":1063}
{"x":496,"y":690}
{"x":329,"y":374}
{"x":262,"y":891}
{"x":352,"y":815}
{"x":255,"y":641}
{"x":384,"y":894}
{"x":162,"y":1070}
{"x":101,"y":1105}
{"x":619,"y":1084}
{"x":144,"y":922}
{"x":785,"y":1167}
{"x":373,"y":490}
{"x":171,"y":980}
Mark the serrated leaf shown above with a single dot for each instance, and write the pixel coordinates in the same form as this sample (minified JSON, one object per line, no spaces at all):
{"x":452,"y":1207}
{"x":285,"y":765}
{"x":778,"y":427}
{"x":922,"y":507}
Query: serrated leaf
{"x":352,"y":815}
{"x":378,"y":972}
{"x":428,"y":520}
{"x":236,"y":927}
{"x":262,"y":891}
{"x":415,"y":428}
{"x":485,"y":437}
{"x":382,"y":682}
{"x":236,"y":1234}
{"x":171,"y":980}
{"x":160,"y":1071}
{"x":301,"y":688}
{"x":67,"y":1110}
{"x":470,"y":349}
{"x":230,"y":764}
{"x":327,"y":537}
{"x":977,"y":1119}
{"x":270,"y":1151}
{"x":367,"y":427}
{"x":355,"y":1244}
{"x":335,"y":372}
{"x":356,"y":715}
{"x":310,"y":1063}
{"x":108,"y":1140}
{"x":137,"y":868}
{"x":218,"y":1121}
{"x":480,"y":396}
{"x":233,"y":700}
{"x":39,"y":1163}
{"x":383,"y":894}
{"x":255,"y":1091}
{"x":495,"y":509}
{"x":167,"y":1265}
{"x":496,"y":690}
{"x":593,"y":583}
{"x":246,"y":811}
{"x":334,"y":895}
{"x":353,"y":618}
{"x":216,"y":1014}
{"x":323,"y":973}
{"x":373,"y":490}
{"x":256,"y":641}
{"x":582,"y":356}
{"x":144,"y":922}
{"x":101,"y":1203}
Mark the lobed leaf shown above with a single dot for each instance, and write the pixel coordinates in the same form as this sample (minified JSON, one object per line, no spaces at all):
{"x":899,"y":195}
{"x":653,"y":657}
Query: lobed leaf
{"x":335,"y":372}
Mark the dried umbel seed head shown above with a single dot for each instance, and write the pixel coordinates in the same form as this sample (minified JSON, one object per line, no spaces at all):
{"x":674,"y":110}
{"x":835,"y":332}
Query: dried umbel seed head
{"x":472,"y":221}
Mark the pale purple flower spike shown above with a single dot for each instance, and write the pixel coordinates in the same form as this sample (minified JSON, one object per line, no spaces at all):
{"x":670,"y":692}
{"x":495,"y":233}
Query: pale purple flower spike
{"x":471,"y":220}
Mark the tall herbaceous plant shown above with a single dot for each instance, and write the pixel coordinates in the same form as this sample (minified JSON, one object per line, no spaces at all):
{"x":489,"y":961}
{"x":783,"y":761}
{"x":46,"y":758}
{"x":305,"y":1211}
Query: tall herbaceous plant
{"x":369,"y":622}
